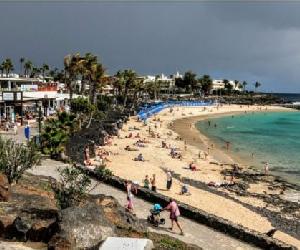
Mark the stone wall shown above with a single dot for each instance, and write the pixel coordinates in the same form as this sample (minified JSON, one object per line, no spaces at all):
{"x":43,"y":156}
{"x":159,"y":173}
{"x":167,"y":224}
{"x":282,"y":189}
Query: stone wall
{"x":200,"y":216}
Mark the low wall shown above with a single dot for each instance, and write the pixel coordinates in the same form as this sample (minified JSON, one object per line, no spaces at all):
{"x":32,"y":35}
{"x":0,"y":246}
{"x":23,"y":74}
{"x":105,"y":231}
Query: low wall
{"x":200,"y":216}
{"x":290,"y":226}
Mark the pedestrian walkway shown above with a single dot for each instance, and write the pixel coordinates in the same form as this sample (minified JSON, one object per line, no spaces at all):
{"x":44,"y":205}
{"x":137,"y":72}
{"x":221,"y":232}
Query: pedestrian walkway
{"x":195,"y":233}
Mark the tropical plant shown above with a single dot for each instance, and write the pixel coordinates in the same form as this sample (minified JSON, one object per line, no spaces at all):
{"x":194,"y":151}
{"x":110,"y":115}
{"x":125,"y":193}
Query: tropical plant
{"x":96,"y":84}
{"x":127,"y":80}
{"x":1,"y":69}
{"x":190,"y":81}
{"x":102,"y":172}
{"x":72,"y":188}
{"x":82,"y":108}
{"x":257,"y":85}
{"x":22,"y":60}
{"x":244,"y":85}
{"x":70,"y":72}
{"x":45,"y":68}
{"x":206,"y":83}
{"x":56,"y":132}
{"x":28,"y":66}
{"x":16,"y":158}
{"x":35,"y":72}
{"x":236,"y":84}
{"x":8,"y":66}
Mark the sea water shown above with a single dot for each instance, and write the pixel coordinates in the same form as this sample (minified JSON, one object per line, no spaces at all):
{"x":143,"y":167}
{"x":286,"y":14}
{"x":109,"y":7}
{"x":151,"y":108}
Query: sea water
{"x":256,"y":138}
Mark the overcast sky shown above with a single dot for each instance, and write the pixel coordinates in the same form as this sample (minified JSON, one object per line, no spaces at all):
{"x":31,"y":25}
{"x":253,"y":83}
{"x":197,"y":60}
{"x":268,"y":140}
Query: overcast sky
{"x":243,"y":41}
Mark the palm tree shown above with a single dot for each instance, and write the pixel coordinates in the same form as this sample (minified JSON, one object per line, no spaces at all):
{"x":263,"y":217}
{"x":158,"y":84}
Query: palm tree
{"x":236,"y":83}
{"x":257,"y":85}
{"x":1,"y":69}
{"x":84,"y":68}
{"x":227,"y":85}
{"x":35,"y":72}
{"x":206,"y":83}
{"x":44,"y":69}
{"x":28,"y":66}
{"x":157,"y":84}
{"x":244,"y":85}
{"x":129,"y":76}
{"x":69,"y":73}
{"x":22,"y":60}
{"x":8,"y":66}
{"x":96,"y":84}
{"x":190,"y":81}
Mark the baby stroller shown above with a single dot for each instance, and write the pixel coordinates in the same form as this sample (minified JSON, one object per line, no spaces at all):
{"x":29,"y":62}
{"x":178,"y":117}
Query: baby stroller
{"x":154,"y":217}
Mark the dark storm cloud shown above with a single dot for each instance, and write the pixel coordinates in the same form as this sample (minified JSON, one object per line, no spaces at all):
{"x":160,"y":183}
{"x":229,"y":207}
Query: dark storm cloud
{"x":251,"y":41}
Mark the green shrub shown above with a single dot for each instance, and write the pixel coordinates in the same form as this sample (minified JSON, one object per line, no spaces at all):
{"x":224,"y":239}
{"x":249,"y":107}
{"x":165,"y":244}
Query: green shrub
{"x":72,"y":188}
{"x":16,"y":158}
{"x":103,"y":172}
{"x":56,"y":132}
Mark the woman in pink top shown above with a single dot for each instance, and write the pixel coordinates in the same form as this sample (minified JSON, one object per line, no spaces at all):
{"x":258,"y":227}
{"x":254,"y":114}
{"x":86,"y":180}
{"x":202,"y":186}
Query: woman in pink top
{"x":174,"y":214}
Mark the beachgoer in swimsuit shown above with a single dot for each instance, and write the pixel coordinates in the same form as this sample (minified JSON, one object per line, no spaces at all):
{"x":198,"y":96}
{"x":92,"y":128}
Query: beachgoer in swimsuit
{"x":169,"y":180}
{"x":266,"y":168}
{"x":147,"y":182}
{"x":153,"y":183}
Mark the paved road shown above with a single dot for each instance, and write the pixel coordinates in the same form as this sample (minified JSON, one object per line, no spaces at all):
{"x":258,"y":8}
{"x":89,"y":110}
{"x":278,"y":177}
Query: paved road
{"x":195,"y":233}
{"x":20,"y":136}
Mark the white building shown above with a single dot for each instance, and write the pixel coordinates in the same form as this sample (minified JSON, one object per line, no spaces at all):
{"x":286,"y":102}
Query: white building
{"x":218,"y":84}
{"x":21,"y":94}
{"x":166,"y":82}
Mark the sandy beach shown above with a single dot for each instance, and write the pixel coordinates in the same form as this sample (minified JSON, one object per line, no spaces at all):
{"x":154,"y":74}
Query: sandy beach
{"x":177,"y":130}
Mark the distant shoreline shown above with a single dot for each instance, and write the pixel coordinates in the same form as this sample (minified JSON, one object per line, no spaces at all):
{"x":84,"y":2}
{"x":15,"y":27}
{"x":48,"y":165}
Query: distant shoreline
{"x":195,"y":137}
{"x":252,"y":195}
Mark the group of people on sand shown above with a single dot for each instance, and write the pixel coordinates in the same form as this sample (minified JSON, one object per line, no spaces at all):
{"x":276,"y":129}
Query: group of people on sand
{"x":175,"y":154}
{"x":150,"y":181}
{"x":101,"y":156}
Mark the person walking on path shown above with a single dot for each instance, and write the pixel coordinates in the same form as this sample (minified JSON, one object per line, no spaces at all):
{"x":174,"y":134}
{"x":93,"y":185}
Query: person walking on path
{"x":129,"y":189}
{"x":169,"y":180}
{"x":174,"y":214}
{"x":15,"y":129}
{"x":153,"y":183}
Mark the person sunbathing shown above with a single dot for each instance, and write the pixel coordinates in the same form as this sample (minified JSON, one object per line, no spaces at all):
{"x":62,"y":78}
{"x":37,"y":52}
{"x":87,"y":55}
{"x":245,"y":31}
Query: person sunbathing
{"x":129,"y":136}
{"x":192,"y":166}
{"x":153,"y":135}
{"x":145,"y":140}
{"x":184,"y":190}
{"x":139,"y":144}
{"x":164,"y":144}
{"x":137,"y":135}
{"x":128,"y":148}
{"x":140,"y":157}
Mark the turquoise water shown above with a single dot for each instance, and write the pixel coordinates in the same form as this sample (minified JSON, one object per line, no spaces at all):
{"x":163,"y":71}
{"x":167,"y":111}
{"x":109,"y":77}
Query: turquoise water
{"x":272,"y":137}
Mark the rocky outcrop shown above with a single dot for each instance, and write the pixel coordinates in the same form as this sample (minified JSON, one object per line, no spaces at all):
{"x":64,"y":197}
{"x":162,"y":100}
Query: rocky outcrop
{"x":89,"y":224}
{"x":85,"y":226}
{"x":94,"y":134}
{"x":5,"y":190}
{"x":30,"y":214}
